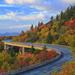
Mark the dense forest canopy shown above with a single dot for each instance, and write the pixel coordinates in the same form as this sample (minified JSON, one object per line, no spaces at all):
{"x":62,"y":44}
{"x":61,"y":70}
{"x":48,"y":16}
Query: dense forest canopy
{"x":59,"y":30}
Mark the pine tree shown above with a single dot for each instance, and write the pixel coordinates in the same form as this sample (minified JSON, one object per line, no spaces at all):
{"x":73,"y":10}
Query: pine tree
{"x":32,"y":49}
{"x":32,"y":27}
{"x":49,"y":38}
{"x":51,"y":20}
{"x":57,"y":18}
{"x":22,"y":33}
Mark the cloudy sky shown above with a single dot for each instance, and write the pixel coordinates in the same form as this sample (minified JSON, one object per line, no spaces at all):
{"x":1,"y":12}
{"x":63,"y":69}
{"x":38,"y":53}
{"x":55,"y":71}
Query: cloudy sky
{"x":17,"y":15}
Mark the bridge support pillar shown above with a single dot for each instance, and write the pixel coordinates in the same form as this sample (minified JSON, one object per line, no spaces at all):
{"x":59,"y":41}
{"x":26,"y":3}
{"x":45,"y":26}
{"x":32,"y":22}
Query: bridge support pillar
{"x":23,"y":50}
{"x":5,"y":46}
{"x":20,"y":52}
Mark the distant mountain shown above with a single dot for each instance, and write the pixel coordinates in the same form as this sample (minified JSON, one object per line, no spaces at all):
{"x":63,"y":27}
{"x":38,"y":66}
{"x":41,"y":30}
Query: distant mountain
{"x":9,"y":34}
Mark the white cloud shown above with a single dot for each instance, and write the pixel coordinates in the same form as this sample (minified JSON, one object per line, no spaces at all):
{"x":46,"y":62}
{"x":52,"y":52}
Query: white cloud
{"x":6,"y":5}
{"x":43,"y":10}
{"x":16,"y":26}
{"x":10,"y":15}
{"x":19,"y":1}
{"x":69,"y":1}
{"x":40,"y":7}
{"x":9,"y":1}
{"x":35,"y":4}
{"x":15,"y":16}
{"x":38,"y":16}
{"x":19,"y":26}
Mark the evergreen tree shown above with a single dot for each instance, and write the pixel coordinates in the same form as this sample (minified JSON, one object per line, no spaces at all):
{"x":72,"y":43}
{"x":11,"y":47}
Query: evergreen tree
{"x":57,"y":18}
{"x":32,"y":49}
{"x":22,"y":33}
{"x":51,"y":20}
{"x":62,"y":15}
{"x":49,"y":38}
{"x":31,"y":27}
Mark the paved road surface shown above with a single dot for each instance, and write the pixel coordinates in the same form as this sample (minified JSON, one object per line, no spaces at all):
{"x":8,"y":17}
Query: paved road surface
{"x":47,"y":69}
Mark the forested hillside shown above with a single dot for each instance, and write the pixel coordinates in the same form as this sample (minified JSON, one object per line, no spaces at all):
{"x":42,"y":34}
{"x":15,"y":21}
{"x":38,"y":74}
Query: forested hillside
{"x":59,"y":30}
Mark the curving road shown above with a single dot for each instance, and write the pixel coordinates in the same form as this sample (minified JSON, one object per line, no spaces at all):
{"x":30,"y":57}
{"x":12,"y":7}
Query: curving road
{"x":47,"y":69}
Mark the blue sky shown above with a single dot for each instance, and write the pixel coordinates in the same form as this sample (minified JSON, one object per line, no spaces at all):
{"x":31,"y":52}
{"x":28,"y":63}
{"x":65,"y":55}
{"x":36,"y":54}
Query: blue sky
{"x":18,"y":15}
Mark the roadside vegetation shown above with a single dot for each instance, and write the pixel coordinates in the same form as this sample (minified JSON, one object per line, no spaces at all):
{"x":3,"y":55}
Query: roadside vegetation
{"x":67,"y":69}
{"x":59,"y":30}
{"x":13,"y":61}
